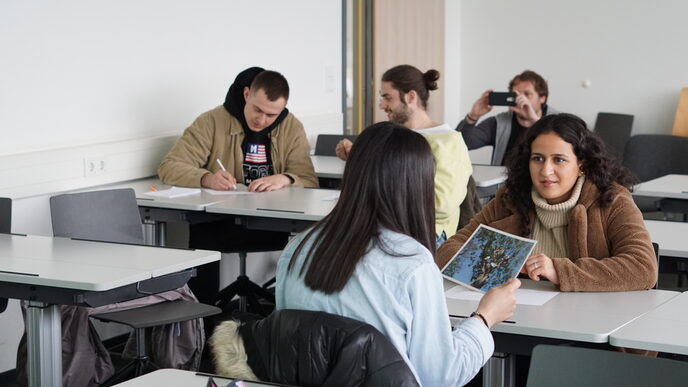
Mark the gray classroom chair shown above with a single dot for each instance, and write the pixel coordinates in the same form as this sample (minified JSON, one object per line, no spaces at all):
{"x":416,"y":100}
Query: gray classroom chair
{"x":5,"y":226}
{"x":5,"y":215}
{"x":650,"y":156}
{"x":113,"y":216}
{"x":563,"y":366}
{"x":615,"y":130}
{"x":325,"y":144}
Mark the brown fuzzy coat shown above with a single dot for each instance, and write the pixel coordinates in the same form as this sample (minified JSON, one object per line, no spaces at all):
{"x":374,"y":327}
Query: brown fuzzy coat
{"x":609,"y":246}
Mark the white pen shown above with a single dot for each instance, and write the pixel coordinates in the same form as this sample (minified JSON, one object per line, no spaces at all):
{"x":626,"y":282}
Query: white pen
{"x":220,"y":164}
{"x":223,"y":168}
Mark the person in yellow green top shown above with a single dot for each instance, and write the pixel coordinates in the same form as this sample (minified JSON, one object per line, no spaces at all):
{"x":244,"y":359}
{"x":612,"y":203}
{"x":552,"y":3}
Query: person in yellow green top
{"x":404,"y":96}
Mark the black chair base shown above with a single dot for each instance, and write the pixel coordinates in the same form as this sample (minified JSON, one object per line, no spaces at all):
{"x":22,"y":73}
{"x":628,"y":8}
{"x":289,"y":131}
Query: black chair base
{"x":250,"y":294}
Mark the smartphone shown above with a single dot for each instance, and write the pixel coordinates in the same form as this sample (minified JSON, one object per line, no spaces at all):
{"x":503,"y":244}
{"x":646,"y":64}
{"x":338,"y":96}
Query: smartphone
{"x":501,"y":99}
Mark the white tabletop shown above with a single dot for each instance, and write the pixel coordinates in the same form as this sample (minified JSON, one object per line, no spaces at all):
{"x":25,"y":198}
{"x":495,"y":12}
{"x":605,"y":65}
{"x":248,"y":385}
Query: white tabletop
{"x":669,"y":186}
{"x":580,"y":316}
{"x":93,"y":266}
{"x":330,"y":167}
{"x":297,"y":203}
{"x":672,"y":237}
{"x":171,"y":378}
{"x":488,"y":175}
{"x":196,"y":202}
{"x":662,"y":329}
{"x":485,"y":175}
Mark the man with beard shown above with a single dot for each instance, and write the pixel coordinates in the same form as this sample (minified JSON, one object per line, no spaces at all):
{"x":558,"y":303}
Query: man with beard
{"x":404,"y":94}
{"x":503,"y":130}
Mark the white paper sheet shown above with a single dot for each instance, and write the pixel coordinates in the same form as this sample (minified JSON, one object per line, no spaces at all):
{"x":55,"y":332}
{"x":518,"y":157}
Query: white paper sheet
{"x":523,"y":296}
{"x":239,"y":190}
{"x":174,"y":192}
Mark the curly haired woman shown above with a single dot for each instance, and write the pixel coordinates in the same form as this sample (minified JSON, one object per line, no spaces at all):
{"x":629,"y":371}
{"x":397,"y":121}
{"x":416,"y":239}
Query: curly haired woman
{"x":565,"y":191}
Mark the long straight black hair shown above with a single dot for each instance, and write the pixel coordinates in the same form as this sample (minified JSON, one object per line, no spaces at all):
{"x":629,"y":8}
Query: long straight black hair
{"x":388,"y":183}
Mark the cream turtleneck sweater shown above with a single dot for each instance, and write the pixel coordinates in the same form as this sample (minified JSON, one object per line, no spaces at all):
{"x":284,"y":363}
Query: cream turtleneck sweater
{"x":552,"y":222}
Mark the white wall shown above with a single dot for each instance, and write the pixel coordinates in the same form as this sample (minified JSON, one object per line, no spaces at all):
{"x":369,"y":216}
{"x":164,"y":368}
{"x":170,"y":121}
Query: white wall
{"x":633,"y":52}
{"x":84,"y":75}
{"x":84,"y":71}
{"x":119,"y":80}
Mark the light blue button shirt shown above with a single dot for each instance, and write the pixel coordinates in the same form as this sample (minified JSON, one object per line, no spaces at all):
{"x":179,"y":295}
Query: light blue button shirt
{"x":402,"y":297}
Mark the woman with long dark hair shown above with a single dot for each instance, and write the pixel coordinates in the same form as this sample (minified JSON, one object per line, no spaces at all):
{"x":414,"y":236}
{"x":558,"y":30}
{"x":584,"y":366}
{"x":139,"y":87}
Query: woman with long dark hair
{"x":372,"y":259}
{"x":564,"y":190}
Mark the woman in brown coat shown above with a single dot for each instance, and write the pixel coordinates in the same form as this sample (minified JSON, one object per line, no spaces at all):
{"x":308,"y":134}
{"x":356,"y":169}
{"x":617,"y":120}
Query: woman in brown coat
{"x":565,"y":191}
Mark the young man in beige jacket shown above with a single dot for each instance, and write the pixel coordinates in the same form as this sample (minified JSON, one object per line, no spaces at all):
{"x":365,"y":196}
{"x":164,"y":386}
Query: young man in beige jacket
{"x":252,"y":139}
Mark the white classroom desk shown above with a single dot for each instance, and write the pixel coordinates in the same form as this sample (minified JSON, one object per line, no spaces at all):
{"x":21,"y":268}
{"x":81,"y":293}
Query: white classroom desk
{"x":332,"y":167}
{"x":169,"y":377}
{"x":328,"y":167}
{"x":52,"y":271}
{"x":669,"y":186}
{"x":570,"y":316}
{"x":293,"y":203}
{"x":672,"y":237}
{"x":664,"y":329}
{"x":488,"y":175}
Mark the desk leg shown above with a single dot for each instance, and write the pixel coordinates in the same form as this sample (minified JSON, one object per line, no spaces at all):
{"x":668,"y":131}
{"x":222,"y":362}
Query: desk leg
{"x":499,"y":371}
{"x":44,"y":344}
{"x":154,"y":233}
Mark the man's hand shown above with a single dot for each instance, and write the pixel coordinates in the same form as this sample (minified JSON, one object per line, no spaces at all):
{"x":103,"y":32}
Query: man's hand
{"x":524,"y":110}
{"x":499,"y":303}
{"x":343,"y":148}
{"x":220,"y":180}
{"x":269,"y":183}
{"x":480,"y":107}
{"x":540,"y":265}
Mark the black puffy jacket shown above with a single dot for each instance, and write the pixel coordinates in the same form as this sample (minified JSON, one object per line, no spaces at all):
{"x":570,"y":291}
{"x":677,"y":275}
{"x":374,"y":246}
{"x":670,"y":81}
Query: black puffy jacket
{"x":320,"y":349}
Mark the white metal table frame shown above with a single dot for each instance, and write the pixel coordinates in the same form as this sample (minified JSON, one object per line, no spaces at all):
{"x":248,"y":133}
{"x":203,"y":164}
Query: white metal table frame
{"x":294,"y":204}
{"x":670,"y":236}
{"x":668,"y":186}
{"x":570,"y":316}
{"x":662,"y":329}
{"x":51,"y":271}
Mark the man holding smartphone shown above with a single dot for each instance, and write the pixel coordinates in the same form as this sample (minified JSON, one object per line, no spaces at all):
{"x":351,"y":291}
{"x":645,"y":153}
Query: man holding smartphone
{"x":503,"y":130}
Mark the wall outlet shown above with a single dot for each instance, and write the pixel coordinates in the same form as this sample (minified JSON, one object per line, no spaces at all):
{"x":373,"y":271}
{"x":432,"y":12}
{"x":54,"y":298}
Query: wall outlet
{"x":95,"y":166}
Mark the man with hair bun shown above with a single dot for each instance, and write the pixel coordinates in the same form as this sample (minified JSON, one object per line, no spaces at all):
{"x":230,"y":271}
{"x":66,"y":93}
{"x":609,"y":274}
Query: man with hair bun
{"x":503,"y":130}
{"x":404,"y":94}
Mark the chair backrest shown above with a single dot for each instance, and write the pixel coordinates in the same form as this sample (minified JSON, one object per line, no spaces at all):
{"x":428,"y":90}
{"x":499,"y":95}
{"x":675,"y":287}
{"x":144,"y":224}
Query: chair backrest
{"x":615,"y":130}
{"x":650,"y":156}
{"x":325,"y":143}
{"x":108,"y":216}
{"x":299,"y":347}
{"x":655,"y":247}
{"x":5,"y":215}
{"x":561,"y":365}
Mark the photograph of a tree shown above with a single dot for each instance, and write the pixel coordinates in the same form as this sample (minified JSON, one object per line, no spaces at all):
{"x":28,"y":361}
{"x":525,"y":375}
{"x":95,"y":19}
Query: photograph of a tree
{"x":489,"y":258}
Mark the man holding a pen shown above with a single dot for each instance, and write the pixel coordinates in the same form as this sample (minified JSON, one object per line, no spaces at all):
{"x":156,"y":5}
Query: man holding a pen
{"x":251,"y":139}
{"x":252,"y":134}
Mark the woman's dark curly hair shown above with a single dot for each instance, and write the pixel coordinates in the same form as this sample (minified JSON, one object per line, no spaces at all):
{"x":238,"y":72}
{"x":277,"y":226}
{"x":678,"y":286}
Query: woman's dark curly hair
{"x":598,"y":165}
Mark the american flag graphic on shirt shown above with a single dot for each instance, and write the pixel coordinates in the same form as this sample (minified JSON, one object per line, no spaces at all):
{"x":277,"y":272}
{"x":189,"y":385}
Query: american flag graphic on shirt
{"x":256,"y":154}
